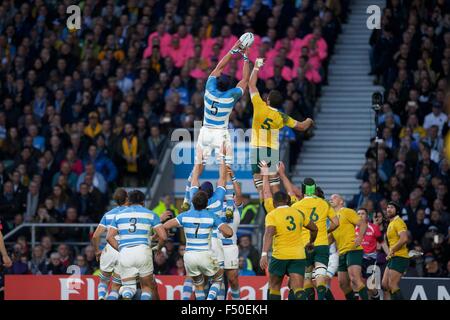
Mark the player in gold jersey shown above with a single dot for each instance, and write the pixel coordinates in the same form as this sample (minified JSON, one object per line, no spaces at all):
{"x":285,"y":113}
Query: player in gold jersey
{"x":267,"y":121}
{"x":319,"y":211}
{"x":398,"y":253}
{"x":284,"y":226}
{"x":349,"y":248}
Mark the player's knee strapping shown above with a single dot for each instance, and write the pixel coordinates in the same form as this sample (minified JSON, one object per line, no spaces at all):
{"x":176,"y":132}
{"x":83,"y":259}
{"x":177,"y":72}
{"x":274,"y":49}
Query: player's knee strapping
{"x":308,"y":275}
{"x":104,"y":278}
{"x":274,"y":181}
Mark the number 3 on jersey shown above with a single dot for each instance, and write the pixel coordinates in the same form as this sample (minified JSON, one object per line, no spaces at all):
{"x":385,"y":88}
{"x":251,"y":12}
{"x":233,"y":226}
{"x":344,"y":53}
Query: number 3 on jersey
{"x":292,"y":225}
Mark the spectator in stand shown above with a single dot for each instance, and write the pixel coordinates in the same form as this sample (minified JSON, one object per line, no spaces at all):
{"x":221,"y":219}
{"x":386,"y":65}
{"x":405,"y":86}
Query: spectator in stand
{"x":132,"y":151}
{"x":81,"y":262}
{"x":55,"y":266}
{"x":32,"y":201}
{"x":245,"y":268}
{"x":37,"y":264}
{"x":102,"y":164}
{"x":97,"y":178}
{"x":248,"y":251}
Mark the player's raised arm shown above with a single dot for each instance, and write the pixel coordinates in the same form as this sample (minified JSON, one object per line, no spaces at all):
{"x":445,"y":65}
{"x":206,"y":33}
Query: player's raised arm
{"x":245,"y":72}
{"x":224,"y":61}
{"x":237,"y":187}
{"x":198,"y":167}
{"x":303,"y":125}
{"x":286,"y":182}
{"x":267,"y":193}
{"x":362,"y":231}
{"x":259,"y":62}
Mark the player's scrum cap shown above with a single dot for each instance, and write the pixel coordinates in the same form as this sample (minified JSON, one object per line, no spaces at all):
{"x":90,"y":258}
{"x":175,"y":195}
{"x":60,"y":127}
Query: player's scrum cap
{"x":309,"y":187}
{"x":208,"y":188}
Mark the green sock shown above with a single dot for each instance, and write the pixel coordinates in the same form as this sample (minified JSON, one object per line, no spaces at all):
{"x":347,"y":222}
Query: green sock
{"x":350,"y":296}
{"x":329,"y":294}
{"x":363,"y":293}
{"x":274,"y":295}
{"x":310,"y":294}
{"x":397,"y":295}
{"x":321,"y":292}
{"x":291,"y":295}
{"x":300,"y":295}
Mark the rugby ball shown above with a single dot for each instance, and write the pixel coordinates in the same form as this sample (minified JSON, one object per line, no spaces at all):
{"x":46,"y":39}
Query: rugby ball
{"x":246,"y":40}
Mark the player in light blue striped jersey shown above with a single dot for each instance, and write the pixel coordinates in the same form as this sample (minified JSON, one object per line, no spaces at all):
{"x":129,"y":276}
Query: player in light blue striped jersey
{"x":107,"y":255}
{"x":134,"y":228}
{"x":218,"y":105}
{"x":198,"y":224}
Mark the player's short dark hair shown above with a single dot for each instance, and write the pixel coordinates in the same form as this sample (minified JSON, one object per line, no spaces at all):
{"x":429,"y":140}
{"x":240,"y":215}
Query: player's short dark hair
{"x":281,"y":198}
{"x":222,"y":84}
{"x":275,"y":99}
{"x":136,"y":197}
{"x":200,"y":200}
{"x":120,"y":196}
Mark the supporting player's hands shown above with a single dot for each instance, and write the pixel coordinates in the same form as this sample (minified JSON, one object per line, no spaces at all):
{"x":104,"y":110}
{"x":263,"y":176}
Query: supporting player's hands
{"x":281,"y":168}
{"x":309,"y":122}
{"x":7,"y":261}
{"x":259,"y":62}
{"x":263,"y":165}
{"x":263,"y":262}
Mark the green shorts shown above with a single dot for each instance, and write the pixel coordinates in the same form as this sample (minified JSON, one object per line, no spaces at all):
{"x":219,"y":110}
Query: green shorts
{"x":285,"y":267}
{"x":319,"y":254}
{"x":350,"y":258}
{"x":269,"y":155}
{"x":399,"y":264}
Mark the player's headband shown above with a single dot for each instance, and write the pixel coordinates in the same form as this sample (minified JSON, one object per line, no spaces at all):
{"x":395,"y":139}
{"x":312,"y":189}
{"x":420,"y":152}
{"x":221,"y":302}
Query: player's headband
{"x":310,"y":190}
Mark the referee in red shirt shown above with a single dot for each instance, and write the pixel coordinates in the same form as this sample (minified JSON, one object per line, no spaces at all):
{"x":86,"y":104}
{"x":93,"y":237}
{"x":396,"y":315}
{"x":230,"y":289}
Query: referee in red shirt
{"x":370,"y":241}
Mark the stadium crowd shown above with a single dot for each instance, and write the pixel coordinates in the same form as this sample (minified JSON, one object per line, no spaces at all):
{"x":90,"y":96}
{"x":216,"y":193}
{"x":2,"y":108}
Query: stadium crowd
{"x":83,"y":111}
{"x":410,"y":57}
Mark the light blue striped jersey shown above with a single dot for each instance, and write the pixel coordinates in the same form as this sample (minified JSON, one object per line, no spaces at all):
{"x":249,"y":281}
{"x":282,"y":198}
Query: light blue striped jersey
{"x":134,"y":225}
{"x":198,"y":225}
{"x":219,"y":104}
{"x":215,"y":203}
{"x":106,"y":222}
{"x":234,"y":224}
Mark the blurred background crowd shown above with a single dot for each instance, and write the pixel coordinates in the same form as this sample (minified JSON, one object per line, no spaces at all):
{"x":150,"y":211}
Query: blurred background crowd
{"x":84,"y":111}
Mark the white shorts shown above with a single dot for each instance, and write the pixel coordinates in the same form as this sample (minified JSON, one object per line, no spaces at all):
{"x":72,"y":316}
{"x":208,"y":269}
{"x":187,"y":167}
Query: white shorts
{"x":210,"y":139}
{"x":217,"y":250}
{"x":333,"y":264}
{"x":136,"y":261}
{"x":109,"y":259}
{"x":200,"y":263}
{"x":231,"y":255}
